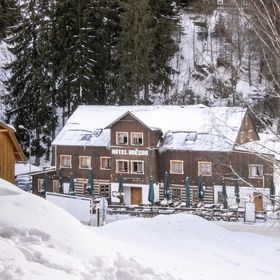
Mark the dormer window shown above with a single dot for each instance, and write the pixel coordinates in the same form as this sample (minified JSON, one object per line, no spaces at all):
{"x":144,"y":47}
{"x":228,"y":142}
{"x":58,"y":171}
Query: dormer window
{"x":136,"y":138}
{"x":122,"y":138}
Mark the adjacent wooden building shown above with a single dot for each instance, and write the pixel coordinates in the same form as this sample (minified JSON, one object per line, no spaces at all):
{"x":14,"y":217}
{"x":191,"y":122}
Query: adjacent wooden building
{"x":138,"y":142}
{"x":10,"y":152}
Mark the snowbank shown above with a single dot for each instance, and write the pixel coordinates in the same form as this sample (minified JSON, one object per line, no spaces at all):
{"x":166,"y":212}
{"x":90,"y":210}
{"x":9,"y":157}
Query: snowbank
{"x":194,"y":248}
{"x":40,"y":241}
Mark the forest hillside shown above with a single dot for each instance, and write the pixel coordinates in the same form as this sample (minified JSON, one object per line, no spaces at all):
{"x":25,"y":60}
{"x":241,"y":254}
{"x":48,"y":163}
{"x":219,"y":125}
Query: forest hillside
{"x":57,"y":55}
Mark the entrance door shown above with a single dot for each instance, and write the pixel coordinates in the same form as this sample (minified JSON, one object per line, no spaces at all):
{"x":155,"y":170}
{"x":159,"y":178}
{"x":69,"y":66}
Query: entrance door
{"x":136,"y":196}
{"x":258,"y":201}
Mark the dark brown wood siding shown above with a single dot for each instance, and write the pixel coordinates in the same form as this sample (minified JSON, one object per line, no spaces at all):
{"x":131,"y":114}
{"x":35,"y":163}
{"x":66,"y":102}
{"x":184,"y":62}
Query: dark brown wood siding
{"x":75,"y":151}
{"x":247,"y":131}
{"x":150,"y":140}
{"x":40,"y":176}
{"x":130,"y":124}
{"x":223,"y":165}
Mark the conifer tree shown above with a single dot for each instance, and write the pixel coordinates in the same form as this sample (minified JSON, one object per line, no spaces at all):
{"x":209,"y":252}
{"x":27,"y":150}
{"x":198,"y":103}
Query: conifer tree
{"x":9,"y":13}
{"x":135,"y":50}
{"x":146,"y":47}
{"x":28,"y":100}
{"x":86,"y":36}
{"x":104,"y":18}
{"x":165,"y":26}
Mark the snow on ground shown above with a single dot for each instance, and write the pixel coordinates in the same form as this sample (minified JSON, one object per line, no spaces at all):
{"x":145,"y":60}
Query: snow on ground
{"x":193,"y":248}
{"x":40,"y":241}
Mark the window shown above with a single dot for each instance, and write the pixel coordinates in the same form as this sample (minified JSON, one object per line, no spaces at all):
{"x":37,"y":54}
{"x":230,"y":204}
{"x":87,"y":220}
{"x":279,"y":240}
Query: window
{"x":176,"y":193}
{"x":56,"y":186}
{"x":65,"y":161}
{"x":136,"y":138}
{"x":122,"y":166}
{"x":84,"y":162}
{"x":137,"y":167}
{"x":104,"y":191}
{"x":40,"y":185}
{"x":122,"y":138}
{"x":205,"y":168}
{"x":255,"y":171}
{"x":105,"y":163}
{"x":176,"y":167}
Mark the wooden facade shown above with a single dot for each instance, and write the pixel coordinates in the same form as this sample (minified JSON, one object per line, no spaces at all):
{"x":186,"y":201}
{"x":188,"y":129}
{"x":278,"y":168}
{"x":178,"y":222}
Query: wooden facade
{"x":147,"y":152}
{"x":10,"y":152}
{"x":135,"y":154}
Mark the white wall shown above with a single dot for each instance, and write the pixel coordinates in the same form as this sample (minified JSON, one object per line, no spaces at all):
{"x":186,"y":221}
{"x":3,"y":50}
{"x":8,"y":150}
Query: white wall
{"x":245,"y":194}
{"x":79,"y":207}
{"x":66,"y":188}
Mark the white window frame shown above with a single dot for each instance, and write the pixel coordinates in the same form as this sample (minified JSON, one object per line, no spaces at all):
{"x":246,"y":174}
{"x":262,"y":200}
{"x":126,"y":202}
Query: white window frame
{"x":132,"y":136}
{"x":117,"y":137}
{"x":101,"y":165}
{"x":80,"y":162}
{"x":137,"y":161}
{"x":251,"y":176}
{"x":176,"y":162}
{"x":60,"y":162}
{"x":40,"y":185}
{"x":117,"y":166}
{"x":199,"y":168}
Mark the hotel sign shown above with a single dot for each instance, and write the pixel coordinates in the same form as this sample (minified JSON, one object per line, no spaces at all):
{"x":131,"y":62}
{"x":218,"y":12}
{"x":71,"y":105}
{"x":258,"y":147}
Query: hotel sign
{"x":126,"y":152}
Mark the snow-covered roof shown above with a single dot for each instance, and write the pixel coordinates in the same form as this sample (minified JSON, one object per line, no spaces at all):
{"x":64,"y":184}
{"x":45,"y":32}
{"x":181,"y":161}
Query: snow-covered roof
{"x":179,"y":140}
{"x":268,"y":144}
{"x":214,"y":126}
{"x":23,"y":168}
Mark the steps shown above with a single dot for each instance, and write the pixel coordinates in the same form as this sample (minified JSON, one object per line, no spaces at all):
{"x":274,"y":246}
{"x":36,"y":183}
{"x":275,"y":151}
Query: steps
{"x":209,"y":195}
{"x":79,"y":188}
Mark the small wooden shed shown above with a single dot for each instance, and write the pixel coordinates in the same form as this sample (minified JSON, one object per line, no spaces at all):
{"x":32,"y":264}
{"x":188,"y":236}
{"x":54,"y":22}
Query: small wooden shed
{"x":10,"y":152}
